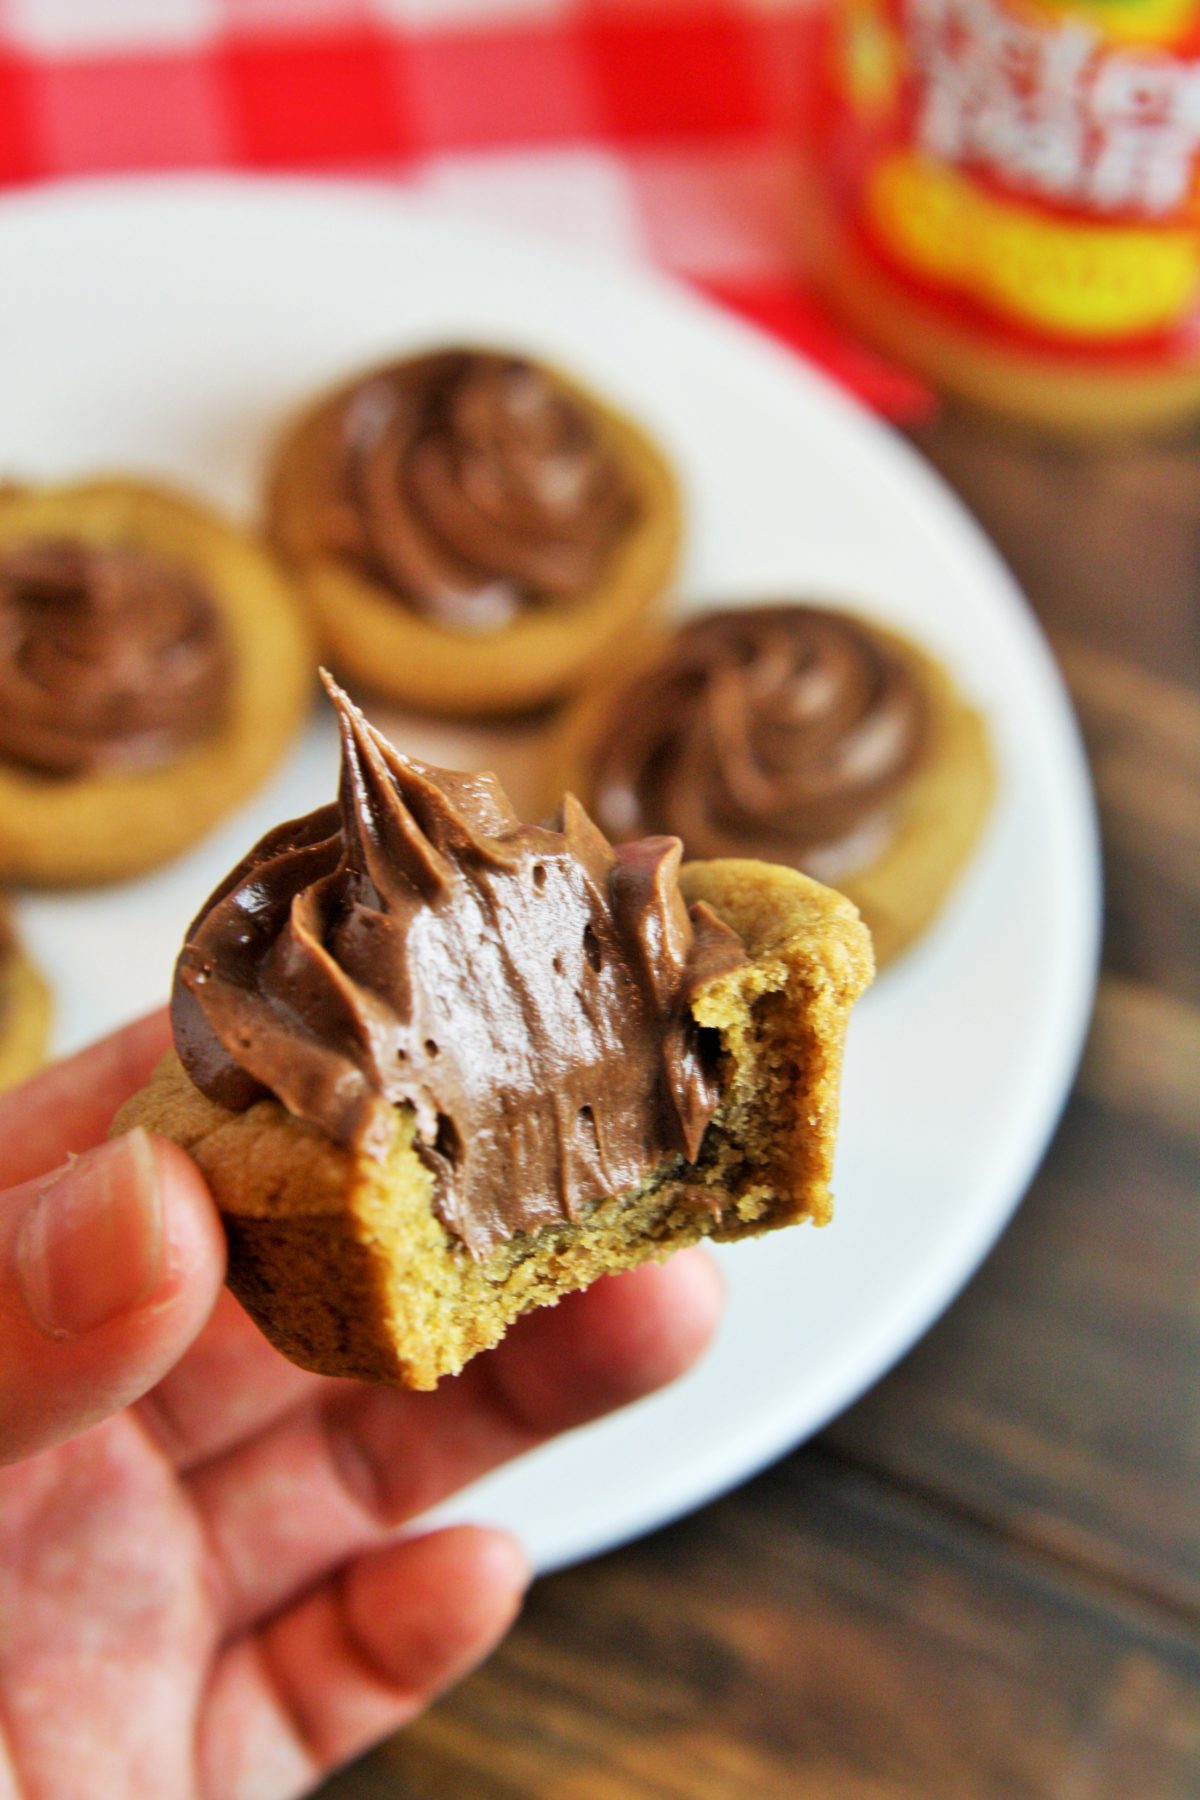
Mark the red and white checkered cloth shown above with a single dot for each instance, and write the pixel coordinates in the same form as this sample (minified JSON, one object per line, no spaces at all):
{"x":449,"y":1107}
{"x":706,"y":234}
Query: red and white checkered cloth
{"x":660,"y":128}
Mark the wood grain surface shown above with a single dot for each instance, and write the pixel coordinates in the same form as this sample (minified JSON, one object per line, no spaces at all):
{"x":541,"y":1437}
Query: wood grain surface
{"x":984,"y":1580}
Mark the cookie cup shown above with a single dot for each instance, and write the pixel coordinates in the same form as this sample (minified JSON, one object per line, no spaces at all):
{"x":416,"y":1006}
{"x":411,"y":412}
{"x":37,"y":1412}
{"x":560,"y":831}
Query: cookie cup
{"x":373,"y":639}
{"x":934,"y":821}
{"x":342,"y":1260}
{"x":96,"y":827}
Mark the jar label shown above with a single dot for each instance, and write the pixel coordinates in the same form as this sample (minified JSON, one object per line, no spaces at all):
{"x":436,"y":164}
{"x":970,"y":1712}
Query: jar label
{"x":1033,"y":163}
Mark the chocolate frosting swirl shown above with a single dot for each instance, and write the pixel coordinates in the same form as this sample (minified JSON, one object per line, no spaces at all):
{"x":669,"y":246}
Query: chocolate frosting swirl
{"x":523,"y":988}
{"x":778,"y":732}
{"x":473,"y":486}
{"x":110,"y":658}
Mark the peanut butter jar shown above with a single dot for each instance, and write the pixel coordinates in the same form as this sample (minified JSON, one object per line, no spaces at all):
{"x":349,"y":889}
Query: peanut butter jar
{"x":1005,"y":195}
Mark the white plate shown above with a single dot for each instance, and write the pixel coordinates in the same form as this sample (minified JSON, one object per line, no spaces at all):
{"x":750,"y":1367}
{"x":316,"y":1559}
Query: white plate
{"x":168,"y":325}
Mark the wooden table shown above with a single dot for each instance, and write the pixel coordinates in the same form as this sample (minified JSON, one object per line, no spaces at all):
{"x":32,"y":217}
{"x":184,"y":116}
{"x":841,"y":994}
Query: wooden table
{"x":984,"y":1580}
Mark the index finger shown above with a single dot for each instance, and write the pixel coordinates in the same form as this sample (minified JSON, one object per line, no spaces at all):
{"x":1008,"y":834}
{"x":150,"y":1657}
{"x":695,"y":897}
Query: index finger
{"x":349,"y":1468}
{"x":69,"y":1106}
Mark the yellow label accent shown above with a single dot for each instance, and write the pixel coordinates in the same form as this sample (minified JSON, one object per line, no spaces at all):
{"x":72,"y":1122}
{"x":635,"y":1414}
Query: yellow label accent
{"x":1085,"y":281}
{"x":869,"y":60}
{"x":1120,"y":21}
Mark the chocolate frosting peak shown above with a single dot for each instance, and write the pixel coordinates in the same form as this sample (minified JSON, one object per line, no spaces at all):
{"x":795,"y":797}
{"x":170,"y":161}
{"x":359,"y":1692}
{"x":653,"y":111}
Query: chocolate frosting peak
{"x":778,"y":732}
{"x":110,"y":658}
{"x":474,"y":485}
{"x":525,"y":989}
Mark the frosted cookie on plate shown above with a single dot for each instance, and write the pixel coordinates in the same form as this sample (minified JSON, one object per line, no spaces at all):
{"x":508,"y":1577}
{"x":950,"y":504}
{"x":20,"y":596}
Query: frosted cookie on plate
{"x":472,"y":528}
{"x":440,"y":1066}
{"x":154,"y":666}
{"x":798,"y":735}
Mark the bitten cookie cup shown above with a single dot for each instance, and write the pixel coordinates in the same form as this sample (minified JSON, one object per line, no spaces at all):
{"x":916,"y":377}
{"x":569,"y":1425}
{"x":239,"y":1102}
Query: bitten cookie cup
{"x":441,"y":1066}
{"x":66,"y":823}
{"x":26,"y":1009}
{"x":717,"y":742}
{"x":340,"y":1255}
{"x":389,"y":535}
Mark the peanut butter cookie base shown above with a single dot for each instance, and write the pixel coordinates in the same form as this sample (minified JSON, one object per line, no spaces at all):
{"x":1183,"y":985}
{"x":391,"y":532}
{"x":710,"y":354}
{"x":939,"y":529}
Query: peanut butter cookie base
{"x":65,"y":831}
{"x":375,"y":640}
{"x":26,"y":1011}
{"x":343,"y":1261}
{"x":938,"y":820}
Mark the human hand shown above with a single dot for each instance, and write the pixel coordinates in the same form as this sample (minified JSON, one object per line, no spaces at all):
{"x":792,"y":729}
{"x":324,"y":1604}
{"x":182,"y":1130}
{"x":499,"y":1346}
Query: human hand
{"x":202,"y":1589}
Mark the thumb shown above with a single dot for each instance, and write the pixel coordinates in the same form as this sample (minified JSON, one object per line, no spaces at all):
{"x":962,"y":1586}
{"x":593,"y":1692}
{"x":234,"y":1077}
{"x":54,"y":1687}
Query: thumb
{"x":109,"y":1267}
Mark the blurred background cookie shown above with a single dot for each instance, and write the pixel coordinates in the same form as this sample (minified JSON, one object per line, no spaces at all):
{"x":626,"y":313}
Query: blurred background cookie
{"x":472,"y":528}
{"x":795,"y":735}
{"x":153,"y":668}
{"x":25,"y":1006}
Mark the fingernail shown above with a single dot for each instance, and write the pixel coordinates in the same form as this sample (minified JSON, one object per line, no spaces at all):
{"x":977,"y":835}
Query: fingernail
{"x":91,"y":1245}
